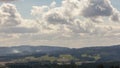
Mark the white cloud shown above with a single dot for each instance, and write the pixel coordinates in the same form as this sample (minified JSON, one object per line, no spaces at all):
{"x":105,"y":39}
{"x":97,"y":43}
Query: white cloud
{"x":81,"y":18}
{"x":53,"y":17}
{"x":10,"y":20}
{"x":116,"y":16}
{"x":6,"y":0}
{"x":9,"y":15}
{"x":38,"y":10}
{"x":53,"y":4}
{"x":69,"y":15}
{"x":74,"y":21}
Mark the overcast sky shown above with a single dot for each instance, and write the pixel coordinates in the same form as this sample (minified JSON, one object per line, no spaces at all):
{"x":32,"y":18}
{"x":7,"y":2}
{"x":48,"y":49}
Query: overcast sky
{"x":68,"y":23}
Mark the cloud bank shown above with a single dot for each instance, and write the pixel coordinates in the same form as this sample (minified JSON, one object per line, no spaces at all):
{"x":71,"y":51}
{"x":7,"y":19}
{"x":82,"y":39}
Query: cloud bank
{"x":84,"y":22}
{"x":7,"y":0}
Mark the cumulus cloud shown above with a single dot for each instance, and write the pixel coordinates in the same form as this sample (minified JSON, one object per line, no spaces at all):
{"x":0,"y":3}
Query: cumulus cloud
{"x":56,"y":18}
{"x":73,"y":20}
{"x":53,"y":4}
{"x":90,"y":28}
{"x":6,"y":0}
{"x":97,"y":8}
{"x":38,"y":10}
{"x":10,"y":20}
{"x":115,"y":17}
{"x":9,"y":15}
{"x":78,"y":20}
{"x":101,"y":8}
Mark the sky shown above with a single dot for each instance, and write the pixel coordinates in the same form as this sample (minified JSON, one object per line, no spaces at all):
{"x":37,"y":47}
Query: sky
{"x":66,"y":23}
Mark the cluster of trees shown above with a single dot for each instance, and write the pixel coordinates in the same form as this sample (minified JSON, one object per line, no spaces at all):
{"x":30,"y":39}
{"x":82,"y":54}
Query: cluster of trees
{"x":113,"y":66}
{"x":2,"y":66}
{"x":61,"y":58}
{"x":101,"y":65}
{"x":39,"y":65}
{"x":61,"y":61}
{"x":54,"y":65}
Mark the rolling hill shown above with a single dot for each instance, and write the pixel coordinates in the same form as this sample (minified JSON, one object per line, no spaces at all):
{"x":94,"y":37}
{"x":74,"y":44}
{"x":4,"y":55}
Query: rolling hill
{"x":98,"y":54}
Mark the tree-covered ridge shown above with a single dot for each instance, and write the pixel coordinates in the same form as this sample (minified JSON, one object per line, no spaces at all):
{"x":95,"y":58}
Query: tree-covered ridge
{"x":92,"y":54}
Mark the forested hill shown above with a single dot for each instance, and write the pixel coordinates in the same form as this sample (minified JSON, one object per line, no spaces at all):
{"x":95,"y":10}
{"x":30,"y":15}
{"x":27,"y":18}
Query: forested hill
{"x":98,"y":54}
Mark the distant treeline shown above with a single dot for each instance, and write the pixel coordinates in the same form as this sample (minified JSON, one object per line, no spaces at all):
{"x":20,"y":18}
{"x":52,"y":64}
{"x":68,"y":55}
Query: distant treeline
{"x":54,"y":65}
{"x":39,"y":65}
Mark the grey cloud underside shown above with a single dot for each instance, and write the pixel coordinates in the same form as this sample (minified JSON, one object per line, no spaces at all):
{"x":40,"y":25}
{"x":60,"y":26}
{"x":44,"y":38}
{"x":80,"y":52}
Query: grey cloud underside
{"x":7,"y":0}
{"x":88,"y":28}
{"x":56,"y":18}
{"x":116,"y":17}
{"x":14,"y":30}
{"x":100,"y":8}
{"x":97,"y":8}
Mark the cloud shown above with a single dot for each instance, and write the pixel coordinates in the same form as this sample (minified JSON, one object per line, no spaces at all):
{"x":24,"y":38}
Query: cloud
{"x":7,"y":0}
{"x":68,"y":16}
{"x":78,"y":20}
{"x":15,"y":30}
{"x":81,"y":21}
{"x":56,"y":18}
{"x":87,"y":27}
{"x":11,"y":20}
{"x":9,"y":16}
{"x":97,"y":8}
{"x":102,"y":8}
{"x":38,"y":10}
{"x":53,"y":4}
{"x":116,"y":17}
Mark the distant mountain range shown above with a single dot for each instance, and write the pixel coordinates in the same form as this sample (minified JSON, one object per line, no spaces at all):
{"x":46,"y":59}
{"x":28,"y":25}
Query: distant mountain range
{"x":98,"y":54}
{"x":23,"y":50}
